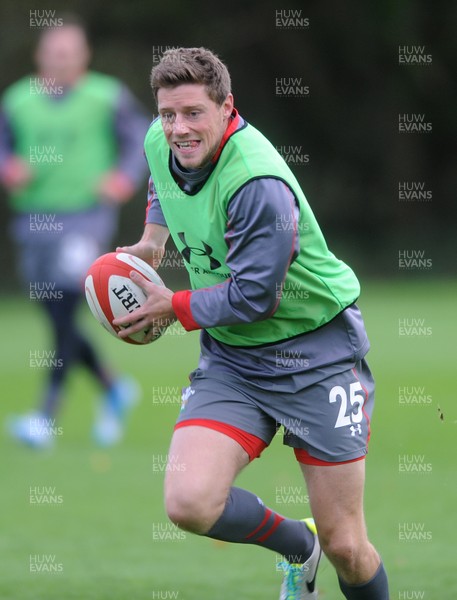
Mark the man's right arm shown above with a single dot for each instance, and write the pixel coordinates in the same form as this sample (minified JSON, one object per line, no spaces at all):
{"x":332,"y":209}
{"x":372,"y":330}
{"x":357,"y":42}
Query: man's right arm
{"x":15,"y":172}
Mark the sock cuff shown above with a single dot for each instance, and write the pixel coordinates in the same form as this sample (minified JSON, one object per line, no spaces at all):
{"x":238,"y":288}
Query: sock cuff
{"x":376,"y":588}
{"x":359,"y":585}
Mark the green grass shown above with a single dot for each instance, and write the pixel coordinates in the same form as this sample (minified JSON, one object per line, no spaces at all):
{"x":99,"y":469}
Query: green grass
{"x":101,"y":532}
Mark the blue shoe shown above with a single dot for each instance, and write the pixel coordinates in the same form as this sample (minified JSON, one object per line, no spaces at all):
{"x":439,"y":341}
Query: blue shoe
{"x":33,"y":430}
{"x":299,"y":581}
{"x":114,"y":409}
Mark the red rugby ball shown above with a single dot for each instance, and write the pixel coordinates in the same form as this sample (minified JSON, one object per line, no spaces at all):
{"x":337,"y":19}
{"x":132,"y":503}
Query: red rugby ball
{"x":110,"y":293}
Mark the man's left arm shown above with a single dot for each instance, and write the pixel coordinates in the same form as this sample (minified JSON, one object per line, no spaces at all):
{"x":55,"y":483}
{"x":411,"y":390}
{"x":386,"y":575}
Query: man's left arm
{"x":262,"y":242}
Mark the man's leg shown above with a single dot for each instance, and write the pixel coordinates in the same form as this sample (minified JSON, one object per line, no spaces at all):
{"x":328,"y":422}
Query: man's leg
{"x":336,"y":500}
{"x":72,"y":347}
{"x":199,"y":497}
{"x":195,"y":494}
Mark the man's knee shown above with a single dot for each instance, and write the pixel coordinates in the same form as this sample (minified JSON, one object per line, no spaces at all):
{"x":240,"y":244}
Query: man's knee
{"x":343,"y":545}
{"x":193,"y":509}
{"x":342,"y":551}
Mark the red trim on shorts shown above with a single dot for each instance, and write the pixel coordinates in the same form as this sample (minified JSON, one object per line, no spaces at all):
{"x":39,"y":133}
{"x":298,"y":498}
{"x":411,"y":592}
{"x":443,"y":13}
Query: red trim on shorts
{"x":306,"y":459}
{"x":252,"y":444}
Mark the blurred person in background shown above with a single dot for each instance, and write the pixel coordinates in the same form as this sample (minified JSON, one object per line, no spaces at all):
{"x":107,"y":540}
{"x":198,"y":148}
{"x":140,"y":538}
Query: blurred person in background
{"x":71,"y":153}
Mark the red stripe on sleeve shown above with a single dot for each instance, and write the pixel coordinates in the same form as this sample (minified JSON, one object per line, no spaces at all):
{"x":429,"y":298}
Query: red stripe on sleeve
{"x":181,"y":305}
{"x":150,"y":197}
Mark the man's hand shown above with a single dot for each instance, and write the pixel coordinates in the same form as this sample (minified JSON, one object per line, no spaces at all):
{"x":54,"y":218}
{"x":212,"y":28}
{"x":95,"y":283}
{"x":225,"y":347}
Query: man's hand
{"x":148,"y":252}
{"x":16,"y":173}
{"x":156,"y":313}
{"x":151,"y":247}
{"x":115,"y":188}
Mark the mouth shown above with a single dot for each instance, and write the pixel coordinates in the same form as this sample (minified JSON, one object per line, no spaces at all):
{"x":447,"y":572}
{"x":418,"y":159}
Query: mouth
{"x":187,"y":146}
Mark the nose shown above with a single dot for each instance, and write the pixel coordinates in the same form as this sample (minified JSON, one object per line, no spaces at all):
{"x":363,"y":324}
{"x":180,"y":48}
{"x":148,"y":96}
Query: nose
{"x":179,"y":125}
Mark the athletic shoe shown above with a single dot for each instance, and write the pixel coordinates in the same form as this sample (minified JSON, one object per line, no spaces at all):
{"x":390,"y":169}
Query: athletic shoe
{"x":114,"y":408}
{"x":32,"y":429}
{"x":299,"y":581}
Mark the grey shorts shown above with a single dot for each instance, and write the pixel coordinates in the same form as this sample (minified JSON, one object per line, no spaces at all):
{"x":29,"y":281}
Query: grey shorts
{"x":326,"y":422}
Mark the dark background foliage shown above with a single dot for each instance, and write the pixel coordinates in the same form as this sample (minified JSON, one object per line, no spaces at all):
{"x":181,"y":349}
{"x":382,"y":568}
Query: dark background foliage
{"x":348,"y":126}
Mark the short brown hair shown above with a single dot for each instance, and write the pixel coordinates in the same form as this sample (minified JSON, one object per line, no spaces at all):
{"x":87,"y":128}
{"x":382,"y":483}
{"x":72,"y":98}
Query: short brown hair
{"x":192,"y":65}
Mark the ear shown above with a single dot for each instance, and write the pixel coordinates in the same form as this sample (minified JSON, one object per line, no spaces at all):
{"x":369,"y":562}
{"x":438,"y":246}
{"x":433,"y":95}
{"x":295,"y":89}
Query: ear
{"x":227,"y":106}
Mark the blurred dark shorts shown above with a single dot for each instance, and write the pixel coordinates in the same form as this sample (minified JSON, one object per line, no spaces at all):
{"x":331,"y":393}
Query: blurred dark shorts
{"x":56,"y":249}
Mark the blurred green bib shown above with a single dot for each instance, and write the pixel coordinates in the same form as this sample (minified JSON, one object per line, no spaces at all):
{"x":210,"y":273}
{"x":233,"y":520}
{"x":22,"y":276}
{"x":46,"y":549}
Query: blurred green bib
{"x":67,"y":139}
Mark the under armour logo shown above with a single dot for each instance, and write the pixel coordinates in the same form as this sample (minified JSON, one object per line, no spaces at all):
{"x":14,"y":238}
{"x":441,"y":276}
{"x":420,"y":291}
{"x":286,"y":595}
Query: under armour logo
{"x":357,"y":429}
{"x":205,"y":251}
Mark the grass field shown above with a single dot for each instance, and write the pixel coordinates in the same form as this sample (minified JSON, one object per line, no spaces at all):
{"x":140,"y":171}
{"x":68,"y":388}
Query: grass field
{"x":107,"y":536}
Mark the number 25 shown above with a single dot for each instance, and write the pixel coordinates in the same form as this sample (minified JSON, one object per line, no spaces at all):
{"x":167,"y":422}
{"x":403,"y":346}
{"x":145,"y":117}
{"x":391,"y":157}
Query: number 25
{"x":356,"y":400}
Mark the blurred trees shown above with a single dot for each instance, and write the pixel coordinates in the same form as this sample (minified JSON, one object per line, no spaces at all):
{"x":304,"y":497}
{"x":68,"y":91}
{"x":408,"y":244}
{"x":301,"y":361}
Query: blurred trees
{"x":347,"y":126}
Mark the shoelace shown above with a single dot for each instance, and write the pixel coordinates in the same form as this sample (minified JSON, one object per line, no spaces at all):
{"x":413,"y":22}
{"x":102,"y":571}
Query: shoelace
{"x":294,"y":578}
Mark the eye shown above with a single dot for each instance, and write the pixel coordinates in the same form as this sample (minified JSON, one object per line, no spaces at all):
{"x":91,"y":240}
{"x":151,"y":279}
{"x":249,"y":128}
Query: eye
{"x":167,"y":117}
{"x":194,"y":114}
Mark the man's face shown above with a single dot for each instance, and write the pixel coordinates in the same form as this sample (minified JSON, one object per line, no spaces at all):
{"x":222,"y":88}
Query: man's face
{"x":193,"y":123}
{"x":63,"y":54}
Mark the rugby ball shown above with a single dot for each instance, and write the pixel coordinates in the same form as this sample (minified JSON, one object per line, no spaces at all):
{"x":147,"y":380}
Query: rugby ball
{"x":110,"y":293}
